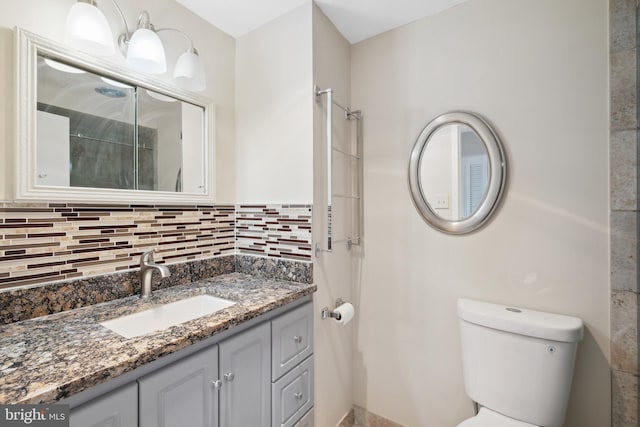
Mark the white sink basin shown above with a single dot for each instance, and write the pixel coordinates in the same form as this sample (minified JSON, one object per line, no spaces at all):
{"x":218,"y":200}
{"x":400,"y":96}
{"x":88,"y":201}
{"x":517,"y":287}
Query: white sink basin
{"x":167,"y":315}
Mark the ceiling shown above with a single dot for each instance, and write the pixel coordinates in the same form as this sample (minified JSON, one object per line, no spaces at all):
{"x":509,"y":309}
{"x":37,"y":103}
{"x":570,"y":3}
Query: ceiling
{"x":355,"y":19}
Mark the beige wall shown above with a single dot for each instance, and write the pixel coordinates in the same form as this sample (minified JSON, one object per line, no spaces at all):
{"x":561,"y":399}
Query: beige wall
{"x":537,"y":69}
{"x":274,"y":111}
{"x":332,"y":271}
{"x":280,"y":158}
{"x":217,"y":49}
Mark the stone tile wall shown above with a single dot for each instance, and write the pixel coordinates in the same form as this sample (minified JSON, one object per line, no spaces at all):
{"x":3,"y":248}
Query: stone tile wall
{"x":624,"y":212}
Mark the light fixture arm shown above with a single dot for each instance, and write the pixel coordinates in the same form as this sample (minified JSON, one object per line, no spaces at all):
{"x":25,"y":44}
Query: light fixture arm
{"x":124,"y":20}
{"x":189,"y":40}
{"x":144,"y":21}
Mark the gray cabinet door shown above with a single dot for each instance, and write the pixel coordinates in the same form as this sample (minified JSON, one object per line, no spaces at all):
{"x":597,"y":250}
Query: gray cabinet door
{"x":118,"y":408}
{"x":245,"y":371}
{"x":183,"y":394}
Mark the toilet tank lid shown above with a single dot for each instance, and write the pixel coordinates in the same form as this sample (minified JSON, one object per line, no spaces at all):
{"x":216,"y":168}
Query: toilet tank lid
{"x":539,"y":324}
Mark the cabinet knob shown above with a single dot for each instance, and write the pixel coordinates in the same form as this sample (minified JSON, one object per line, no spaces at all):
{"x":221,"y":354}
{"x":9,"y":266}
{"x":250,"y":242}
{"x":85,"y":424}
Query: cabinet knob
{"x":216,"y":384}
{"x":229,"y":377}
{"x":298,"y":396}
{"x":297,"y":339}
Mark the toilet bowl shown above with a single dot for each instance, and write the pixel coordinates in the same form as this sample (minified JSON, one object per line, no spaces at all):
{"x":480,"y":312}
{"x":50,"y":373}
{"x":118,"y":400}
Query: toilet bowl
{"x":517,"y":364}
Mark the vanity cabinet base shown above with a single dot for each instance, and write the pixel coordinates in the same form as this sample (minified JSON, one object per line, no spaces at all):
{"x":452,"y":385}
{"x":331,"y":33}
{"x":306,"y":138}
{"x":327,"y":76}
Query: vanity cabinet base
{"x":261,"y":376}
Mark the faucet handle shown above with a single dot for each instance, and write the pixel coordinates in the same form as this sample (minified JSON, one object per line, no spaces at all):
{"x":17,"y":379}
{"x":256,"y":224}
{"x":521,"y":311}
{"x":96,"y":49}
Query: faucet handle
{"x":147,"y":257}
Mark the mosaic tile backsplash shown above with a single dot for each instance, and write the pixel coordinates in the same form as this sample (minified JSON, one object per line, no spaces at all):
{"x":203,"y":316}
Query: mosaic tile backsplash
{"x":48,"y":242}
{"x":279,"y":231}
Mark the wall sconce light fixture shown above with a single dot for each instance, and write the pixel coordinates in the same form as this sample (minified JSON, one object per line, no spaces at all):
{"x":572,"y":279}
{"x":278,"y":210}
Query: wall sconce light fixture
{"x":87,"y":30}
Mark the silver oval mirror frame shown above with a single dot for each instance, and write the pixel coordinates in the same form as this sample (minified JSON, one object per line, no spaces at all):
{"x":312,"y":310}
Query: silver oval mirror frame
{"x":496,"y":178}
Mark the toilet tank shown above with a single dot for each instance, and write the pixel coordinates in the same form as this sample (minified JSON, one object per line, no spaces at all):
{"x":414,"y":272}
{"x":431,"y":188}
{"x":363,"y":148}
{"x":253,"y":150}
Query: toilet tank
{"x":518,"y":362}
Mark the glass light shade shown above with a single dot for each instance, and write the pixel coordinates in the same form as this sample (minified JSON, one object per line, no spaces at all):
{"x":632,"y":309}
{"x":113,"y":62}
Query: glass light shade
{"x":146,"y":53}
{"x":189,"y":72}
{"x":87,"y":30}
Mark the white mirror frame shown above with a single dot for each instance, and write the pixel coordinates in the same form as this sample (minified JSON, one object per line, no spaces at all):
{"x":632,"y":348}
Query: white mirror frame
{"x":28,"y":45}
{"x":497,"y":173}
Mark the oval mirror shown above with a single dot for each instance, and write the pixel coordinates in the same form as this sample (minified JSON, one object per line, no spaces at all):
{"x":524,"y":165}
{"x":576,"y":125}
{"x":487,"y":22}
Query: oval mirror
{"x":457,"y":172}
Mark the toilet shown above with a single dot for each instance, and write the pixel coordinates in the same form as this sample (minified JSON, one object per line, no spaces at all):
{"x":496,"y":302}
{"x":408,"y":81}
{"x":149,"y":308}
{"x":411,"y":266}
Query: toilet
{"x":517,"y":364}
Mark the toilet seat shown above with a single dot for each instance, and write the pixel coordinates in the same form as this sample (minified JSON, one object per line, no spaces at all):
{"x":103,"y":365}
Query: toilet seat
{"x":488,"y":418}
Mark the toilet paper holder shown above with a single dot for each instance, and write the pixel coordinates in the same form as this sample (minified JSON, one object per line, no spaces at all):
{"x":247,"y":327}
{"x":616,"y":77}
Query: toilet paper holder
{"x":330,"y":314}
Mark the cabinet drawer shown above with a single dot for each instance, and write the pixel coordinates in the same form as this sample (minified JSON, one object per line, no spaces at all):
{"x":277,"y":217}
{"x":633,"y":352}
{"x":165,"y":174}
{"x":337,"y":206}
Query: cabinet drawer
{"x":306,"y":421}
{"x":293,"y":395}
{"x":292,"y":335}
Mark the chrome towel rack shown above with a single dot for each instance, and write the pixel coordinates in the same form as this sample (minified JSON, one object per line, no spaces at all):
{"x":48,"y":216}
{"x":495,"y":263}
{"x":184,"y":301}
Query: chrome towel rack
{"x":357,"y":215}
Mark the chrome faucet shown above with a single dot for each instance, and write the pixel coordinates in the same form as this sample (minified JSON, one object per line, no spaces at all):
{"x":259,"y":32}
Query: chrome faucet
{"x":147,"y":266}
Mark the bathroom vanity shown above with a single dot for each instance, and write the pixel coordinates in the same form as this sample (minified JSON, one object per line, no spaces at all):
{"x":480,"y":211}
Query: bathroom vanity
{"x":248,"y":364}
{"x":230,"y":383}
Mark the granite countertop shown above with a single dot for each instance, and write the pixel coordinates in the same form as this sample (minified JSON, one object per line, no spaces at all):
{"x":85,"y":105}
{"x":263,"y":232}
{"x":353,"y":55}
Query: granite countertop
{"x":49,"y":358}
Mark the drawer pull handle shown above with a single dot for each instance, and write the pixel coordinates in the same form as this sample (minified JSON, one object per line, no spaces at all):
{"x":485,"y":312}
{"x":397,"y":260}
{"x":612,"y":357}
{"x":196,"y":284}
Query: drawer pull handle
{"x":297,"y":339}
{"x":216,"y":384}
{"x":229,"y":377}
{"x":298,"y":396}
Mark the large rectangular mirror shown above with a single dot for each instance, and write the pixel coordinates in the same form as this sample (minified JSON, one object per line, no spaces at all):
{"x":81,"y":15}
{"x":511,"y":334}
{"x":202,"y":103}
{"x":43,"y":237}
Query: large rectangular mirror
{"x":90,"y":131}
